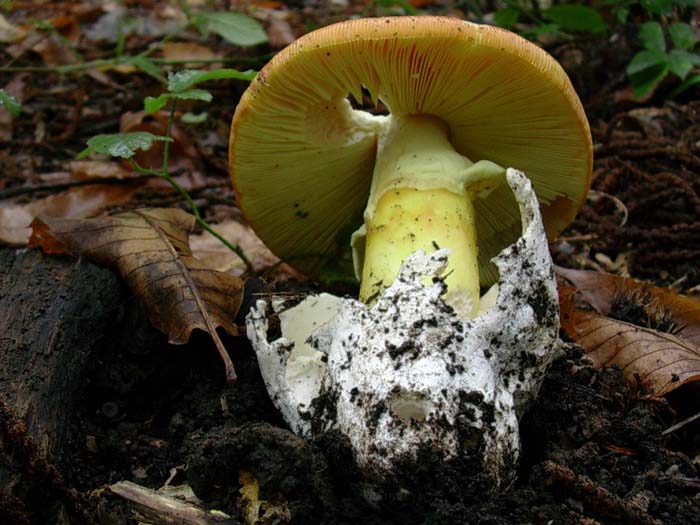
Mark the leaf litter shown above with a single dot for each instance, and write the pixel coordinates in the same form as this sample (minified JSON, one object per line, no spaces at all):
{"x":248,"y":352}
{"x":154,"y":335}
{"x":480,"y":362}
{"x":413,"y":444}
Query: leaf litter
{"x":651,"y":333}
{"x":663,"y":250}
{"x":149,"y":249}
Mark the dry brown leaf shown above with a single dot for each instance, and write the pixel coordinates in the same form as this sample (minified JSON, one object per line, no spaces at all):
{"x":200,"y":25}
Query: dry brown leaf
{"x":277,"y":23}
{"x":655,"y":361}
{"x":9,"y":32}
{"x":149,"y":248}
{"x":188,"y":51}
{"x":117,"y":19}
{"x":55,"y":47}
{"x":97,"y":169}
{"x":210,"y":250}
{"x":420,"y":4}
{"x":601,"y":289}
{"x":83,"y":201}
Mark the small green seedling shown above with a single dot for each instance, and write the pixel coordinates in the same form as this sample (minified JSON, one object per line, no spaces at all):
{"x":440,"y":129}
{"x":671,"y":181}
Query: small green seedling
{"x":10,"y":102}
{"x":653,"y":63}
{"x":125,"y":145}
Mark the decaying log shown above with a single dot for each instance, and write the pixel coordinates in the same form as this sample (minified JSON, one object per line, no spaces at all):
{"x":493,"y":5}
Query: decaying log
{"x":55,"y":314}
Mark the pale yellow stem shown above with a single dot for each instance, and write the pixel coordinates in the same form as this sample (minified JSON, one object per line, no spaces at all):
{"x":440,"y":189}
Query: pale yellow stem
{"x":420,"y":200}
{"x":406,"y":220}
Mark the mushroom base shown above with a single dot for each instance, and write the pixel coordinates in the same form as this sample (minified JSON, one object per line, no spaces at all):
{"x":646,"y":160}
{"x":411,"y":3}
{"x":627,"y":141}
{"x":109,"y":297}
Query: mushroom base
{"x":408,"y":375}
{"x":406,"y":220}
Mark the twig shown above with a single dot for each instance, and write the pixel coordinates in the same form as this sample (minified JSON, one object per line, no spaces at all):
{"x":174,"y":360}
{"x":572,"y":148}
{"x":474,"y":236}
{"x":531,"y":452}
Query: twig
{"x":680,"y":424}
{"x":117,"y":61}
{"x":593,"y":496}
{"x":59,"y":186}
{"x":163,"y":509}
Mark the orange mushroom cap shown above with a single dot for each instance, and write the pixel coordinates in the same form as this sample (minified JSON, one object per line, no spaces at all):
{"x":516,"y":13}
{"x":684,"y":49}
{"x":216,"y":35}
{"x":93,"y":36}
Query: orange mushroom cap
{"x":301,"y":158}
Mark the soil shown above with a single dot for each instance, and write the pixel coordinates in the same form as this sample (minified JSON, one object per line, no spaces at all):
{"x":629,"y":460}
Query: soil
{"x":132,"y":407}
{"x":593,"y":451}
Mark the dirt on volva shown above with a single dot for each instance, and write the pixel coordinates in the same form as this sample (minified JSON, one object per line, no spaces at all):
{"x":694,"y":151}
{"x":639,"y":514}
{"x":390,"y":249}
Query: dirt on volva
{"x":594,"y":450}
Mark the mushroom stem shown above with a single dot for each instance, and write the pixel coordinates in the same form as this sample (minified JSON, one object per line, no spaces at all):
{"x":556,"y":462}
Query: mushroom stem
{"x":421,"y":199}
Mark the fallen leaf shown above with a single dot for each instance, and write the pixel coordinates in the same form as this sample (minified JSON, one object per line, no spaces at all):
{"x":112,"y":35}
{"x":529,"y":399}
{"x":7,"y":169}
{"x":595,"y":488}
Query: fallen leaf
{"x":620,"y":327}
{"x":267,"y":4}
{"x":14,"y":224}
{"x":279,"y":30}
{"x":97,"y":169}
{"x":82,"y":201}
{"x":601,"y":290}
{"x":188,"y":51}
{"x":257,"y":510}
{"x":210,"y":250}
{"x":149,"y":248}
{"x":117,"y":20}
{"x":9,"y":32}
{"x":55,"y":47}
{"x":655,"y":361}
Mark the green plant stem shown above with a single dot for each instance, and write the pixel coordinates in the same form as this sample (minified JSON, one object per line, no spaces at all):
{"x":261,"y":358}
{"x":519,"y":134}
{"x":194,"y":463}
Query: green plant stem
{"x":168,"y":133}
{"x":117,"y":61}
{"x":525,"y":12}
{"x":195,"y":211}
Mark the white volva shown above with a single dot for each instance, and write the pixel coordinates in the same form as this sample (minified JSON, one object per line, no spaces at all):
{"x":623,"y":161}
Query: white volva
{"x":408,"y":373}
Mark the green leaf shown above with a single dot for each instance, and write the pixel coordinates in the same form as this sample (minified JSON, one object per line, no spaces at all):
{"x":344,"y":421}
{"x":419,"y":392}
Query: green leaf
{"x":122,"y":145}
{"x":10,"y":102}
{"x":646,"y":60}
{"x":681,"y":62}
{"x":145,"y":65}
{"x":682,"y":36}
{"x":194,"y":118}
{"x":572,"y":17}
{"x":151,"y":104}
{"x":191,"y":94}
{"x":652,"y":36}
{"x":646,"y":69}
{"x":537,"y":31}
{"x":658,"y":7}
{"x":185,"y":79}
{"x":236,"y":28}
{"x":506,"y":17}
{"x":622,"y":14}
{"x":404,"y":4}
{"x":692,"y":80}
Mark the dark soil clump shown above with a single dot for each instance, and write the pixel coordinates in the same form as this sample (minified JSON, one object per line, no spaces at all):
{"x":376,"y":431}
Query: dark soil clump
{"x":642,"y":217}
{"x":150,"y":413}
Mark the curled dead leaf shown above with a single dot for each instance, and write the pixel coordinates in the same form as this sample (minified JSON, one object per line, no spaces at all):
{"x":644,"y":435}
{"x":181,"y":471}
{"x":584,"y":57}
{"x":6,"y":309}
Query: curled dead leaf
{"x":654,"y":360}
{"x":209,"y":249}
{"x":601,"y":290}
{"x":82,"y":201}
{"x":10,"y":32}
{"x":149,"y":249}
{"x":188,"y":51}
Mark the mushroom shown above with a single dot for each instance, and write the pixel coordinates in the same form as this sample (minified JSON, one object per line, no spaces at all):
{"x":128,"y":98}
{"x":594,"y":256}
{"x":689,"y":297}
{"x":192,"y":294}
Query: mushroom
{"x":437,"y":212}
{"x":408,"y":378}
{"x":463,"y":100}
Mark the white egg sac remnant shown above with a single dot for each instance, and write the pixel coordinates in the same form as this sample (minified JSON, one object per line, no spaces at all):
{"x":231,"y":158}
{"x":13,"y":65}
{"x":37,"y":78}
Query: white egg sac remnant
{"x":407,"y":375}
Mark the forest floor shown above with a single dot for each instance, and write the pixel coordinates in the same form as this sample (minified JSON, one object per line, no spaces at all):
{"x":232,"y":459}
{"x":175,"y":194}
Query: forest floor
{"x":595,"y":448}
